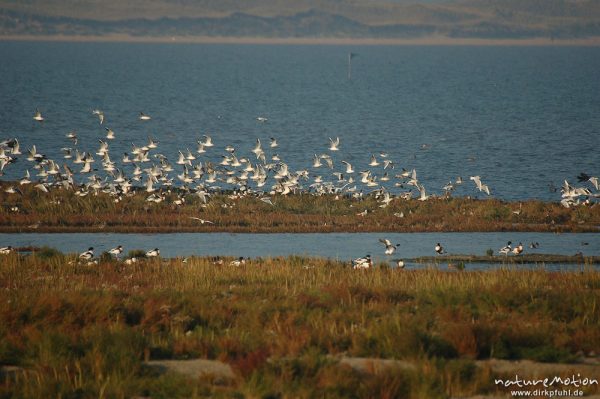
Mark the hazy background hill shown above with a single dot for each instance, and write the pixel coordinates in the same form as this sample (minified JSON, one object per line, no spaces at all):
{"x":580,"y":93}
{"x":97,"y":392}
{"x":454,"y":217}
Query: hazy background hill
{"x":304,"y":18}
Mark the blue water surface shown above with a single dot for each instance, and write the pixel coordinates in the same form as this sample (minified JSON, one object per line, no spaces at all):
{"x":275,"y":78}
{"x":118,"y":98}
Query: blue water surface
{"x":522,"y":118}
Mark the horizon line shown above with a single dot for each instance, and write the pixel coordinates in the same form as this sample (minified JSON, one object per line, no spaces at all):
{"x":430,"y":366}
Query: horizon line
{"x":422,"y":41}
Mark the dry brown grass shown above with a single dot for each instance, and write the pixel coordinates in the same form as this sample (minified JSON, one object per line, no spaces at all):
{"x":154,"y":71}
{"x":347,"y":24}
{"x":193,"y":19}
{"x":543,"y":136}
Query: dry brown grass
{"x":62,"y":211}
{"x":84,"y":331}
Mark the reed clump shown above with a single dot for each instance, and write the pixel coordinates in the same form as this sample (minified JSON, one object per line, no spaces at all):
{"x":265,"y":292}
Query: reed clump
{"x":64,"y":211}
{"x":284,"y":325}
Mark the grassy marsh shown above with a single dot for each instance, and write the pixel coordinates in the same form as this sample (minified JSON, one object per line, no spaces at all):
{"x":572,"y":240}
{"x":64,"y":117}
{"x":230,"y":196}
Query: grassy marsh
{"x":63,"y":211}
{"x":84,"y":331}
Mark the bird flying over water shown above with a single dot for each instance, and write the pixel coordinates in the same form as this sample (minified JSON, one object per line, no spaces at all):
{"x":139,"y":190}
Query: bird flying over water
{"x":334,"y":144}
{"x":38,"y":116}
{"x":389,"y":247}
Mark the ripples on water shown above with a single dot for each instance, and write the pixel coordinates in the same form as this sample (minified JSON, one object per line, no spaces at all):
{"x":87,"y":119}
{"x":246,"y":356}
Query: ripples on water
{"x":520,"y":117}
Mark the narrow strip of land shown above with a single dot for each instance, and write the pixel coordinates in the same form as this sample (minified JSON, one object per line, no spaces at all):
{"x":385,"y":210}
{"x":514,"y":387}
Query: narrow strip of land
{"x":501,"y":259}
{"x":64,"y":211}
{"x":421,"y":41}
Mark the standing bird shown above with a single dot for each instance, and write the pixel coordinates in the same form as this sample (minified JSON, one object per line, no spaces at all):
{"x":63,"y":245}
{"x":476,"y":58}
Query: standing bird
{"x":116,"y":251}
{"x":238,"y":262}
{"x":153,"y":253}
{"x":87,"y":255}
{"x":6,"y":250}
{"x":439,"y":249}
{"x":400,"y":264}
{"x":518,"y":249}
{"x":505,"y":249}
{"x":389,"y":247}
{"x":362,"y":263}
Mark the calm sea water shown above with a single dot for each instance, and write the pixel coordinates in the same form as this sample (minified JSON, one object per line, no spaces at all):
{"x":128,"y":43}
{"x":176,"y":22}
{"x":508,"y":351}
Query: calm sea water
{"x":520,"y":117}
{"x":342,"y":246}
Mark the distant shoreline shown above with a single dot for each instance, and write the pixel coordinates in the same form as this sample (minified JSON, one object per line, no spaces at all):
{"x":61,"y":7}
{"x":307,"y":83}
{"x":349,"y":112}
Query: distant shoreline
{"x":424,"y":41}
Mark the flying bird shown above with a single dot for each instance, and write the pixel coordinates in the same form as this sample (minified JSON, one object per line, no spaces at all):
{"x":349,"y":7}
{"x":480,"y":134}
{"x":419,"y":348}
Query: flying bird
{"x":202,"y":221}
{"x":38,"y":116}
{"x":334,"y":146}
{"x":389,"y":247}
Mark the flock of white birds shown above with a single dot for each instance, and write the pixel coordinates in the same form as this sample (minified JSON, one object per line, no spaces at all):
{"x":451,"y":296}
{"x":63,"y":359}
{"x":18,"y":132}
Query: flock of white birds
{"x":145,"y":169}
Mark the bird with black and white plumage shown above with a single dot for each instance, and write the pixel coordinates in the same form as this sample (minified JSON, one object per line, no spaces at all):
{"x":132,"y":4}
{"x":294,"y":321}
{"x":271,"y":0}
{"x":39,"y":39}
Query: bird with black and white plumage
{"x":216,"y":260}
{"x":583,"y":177}
{"x":389,"y":247}
{"x":534,"y":245}
{"x":153,"y":253}
{"x":87,"y":255}
{"x":400,"y":264}
{"x":116,"y":251}
{"x":13,"y":190}
{"x":144,"y":117}
{"x":362,"y":263}
{"x":238,"y":262}
{"x":439,"y":249}
{"x":207,"y":141}
{"x":6,"y":250}
{"x":505,"y":250}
